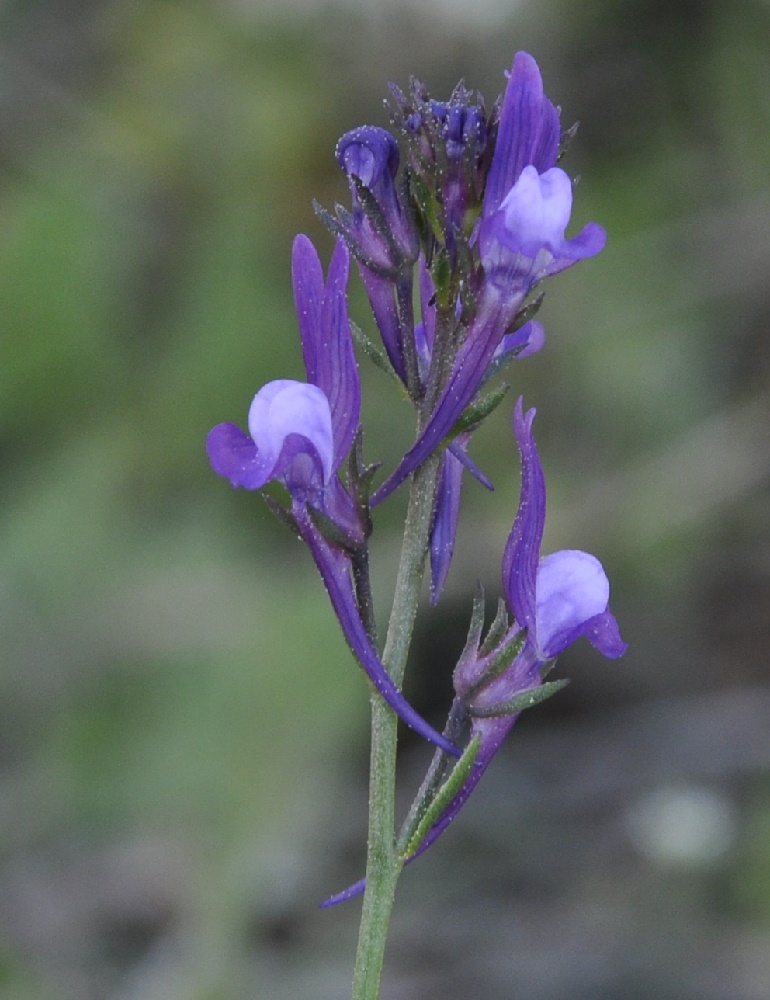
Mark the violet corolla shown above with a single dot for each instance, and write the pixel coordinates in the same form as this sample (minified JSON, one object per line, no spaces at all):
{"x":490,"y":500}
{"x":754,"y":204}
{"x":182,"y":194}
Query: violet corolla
{"x":299,"y":435}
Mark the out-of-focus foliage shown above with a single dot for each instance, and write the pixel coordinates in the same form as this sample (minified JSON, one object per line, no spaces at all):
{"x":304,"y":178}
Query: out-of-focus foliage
{"x":175,"y":699}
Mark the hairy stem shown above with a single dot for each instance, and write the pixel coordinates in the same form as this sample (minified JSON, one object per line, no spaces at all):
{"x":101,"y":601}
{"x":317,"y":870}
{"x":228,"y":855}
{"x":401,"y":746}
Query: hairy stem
{"x":383,"y":862}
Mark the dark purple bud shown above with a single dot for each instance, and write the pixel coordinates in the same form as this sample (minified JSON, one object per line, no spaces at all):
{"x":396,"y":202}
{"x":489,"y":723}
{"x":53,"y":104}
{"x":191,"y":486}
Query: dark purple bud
{"x":383,"y":230}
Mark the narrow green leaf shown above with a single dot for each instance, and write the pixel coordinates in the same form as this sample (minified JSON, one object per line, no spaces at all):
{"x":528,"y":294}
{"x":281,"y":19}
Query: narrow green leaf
{"x":374,"y":353}
{"x":497,"y":629}
{"x":479,"y":410}
{"x":444,"y":796}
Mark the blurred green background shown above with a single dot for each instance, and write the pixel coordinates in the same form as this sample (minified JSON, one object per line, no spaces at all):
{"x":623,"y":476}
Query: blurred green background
{"x":183,"y":736}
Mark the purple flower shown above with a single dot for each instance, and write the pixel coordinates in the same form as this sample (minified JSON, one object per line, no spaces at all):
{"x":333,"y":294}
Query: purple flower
{"x":554,"y":600}
{"x":519,"y":240}
{"x":523,"y":241}
{"x":299,"y":435}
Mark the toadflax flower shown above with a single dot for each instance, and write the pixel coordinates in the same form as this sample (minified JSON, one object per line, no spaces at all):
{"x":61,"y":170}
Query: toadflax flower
{"x":554,"y":600}
{"x":299,"y":435}
{"x":519,"y":240}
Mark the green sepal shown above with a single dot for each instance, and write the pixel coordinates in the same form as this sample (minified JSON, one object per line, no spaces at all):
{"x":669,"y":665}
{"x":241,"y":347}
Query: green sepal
{"x":497,"y":630}
{"x":428,"y":206}
{"x":359,"y":480}
{"x":546,"y":668}
{"x":444,"y":796}
{"x":341,"y":228}
{"x":523,"y":700}
{"x":476,"y":626}
{"x":360,"y":475}
{"x":501,"y":659}
{"x":441,"y":273}
{"x":373,"y":352}
{"x":565,"y":139}
{"x":479,"y":410}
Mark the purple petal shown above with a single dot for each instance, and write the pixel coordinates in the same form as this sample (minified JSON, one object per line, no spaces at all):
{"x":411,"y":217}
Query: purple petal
{"x":381,"y":294}
{"x":528,"y":133}
{"x":527,"y":340}
{"x":327,"y":343}
{"x":334,"y":568}
{"x":234,"y":455}
{"x":308,"y":281}
{"x":427,"y":305}
{"x":590,"y":241}
{"x":457,"y":448}
{"x":522,"y":551}
{"x":444,"y":530}
{"x":371,"y":154}
{"x":356,"y":889}
{"x":604,"y":634}
{"x":571,"y":589}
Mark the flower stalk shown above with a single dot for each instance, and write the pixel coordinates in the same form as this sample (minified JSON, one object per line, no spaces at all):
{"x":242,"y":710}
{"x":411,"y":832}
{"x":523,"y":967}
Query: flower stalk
{"x":384,"y":862}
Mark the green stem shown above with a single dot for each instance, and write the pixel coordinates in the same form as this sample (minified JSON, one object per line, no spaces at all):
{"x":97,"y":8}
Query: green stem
{"x":383,"y":861}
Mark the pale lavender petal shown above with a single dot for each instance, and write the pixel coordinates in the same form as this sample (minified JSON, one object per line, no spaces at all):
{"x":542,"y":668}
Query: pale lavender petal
{"x":524,"y":242}
{"x":285,"y":407}
{"x":528,"y":133}
{"x":537,"y":209}
{"x":522,"y":551}
{"x":590,"y":241}
{"x":571,"y":589}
